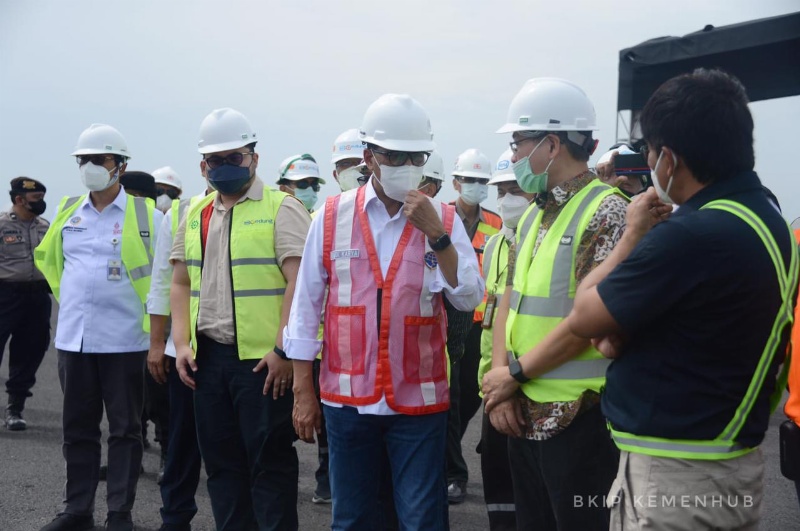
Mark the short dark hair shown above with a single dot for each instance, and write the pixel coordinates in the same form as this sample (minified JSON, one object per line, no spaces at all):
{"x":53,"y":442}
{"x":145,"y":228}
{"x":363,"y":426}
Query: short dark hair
{"x":704,"y":117}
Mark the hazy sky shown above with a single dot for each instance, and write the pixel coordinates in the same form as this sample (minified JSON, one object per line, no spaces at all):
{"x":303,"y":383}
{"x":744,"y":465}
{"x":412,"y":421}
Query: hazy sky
{"x":304,"y":71}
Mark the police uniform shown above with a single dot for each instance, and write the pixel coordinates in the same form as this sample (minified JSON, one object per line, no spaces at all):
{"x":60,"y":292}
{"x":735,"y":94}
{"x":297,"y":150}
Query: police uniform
{"x":24,"y":303}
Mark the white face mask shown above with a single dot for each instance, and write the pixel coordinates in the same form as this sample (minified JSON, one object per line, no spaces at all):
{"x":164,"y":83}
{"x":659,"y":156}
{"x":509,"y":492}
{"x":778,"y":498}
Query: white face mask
{"x":663,"y":195}
{"x":307,"y":196}
{"x":474,"y":193}
{"x":511,"y":208}
{"x":348,"y":179}
{"x":163,"y":203}
{"x":397,"y":181}
{"x":96,"y":178}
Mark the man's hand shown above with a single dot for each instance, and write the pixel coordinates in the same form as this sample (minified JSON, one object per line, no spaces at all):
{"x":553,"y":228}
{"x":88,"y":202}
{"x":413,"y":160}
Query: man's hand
{"x":184,"y":362}
{"x":279,"y":374}
{"x":420,"y":212}
{"x":506,"y":417}
{"x":606,"y":171}
{"x":306,"y":416}
{"x":498,"y":386}
{"x":609,"y":346}
{"x":645,"y":211}
{"x":157,"y":363}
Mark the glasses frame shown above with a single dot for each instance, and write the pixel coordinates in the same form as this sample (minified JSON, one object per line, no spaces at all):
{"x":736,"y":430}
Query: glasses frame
{"x":302,"y":185}
{"x":219,"y":161}
{"x":401,"y":157}
{"x":514,"y":144}
{"x":85,"y":159}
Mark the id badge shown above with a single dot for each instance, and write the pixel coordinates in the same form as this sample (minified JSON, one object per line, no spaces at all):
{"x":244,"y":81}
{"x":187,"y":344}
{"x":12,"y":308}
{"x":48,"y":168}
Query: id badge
{"x":114,"y":270}
{"x":488,"y":314}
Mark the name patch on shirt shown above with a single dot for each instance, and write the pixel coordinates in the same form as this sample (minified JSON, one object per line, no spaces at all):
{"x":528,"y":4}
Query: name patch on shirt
{"x":345,"y":253}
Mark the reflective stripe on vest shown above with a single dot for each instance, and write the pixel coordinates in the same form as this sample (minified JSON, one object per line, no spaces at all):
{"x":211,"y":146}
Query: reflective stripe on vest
{"x":483,"y":233}
{"x":724,"y":446}
{"x":136,"y":250}
{"x":495,"y":272}
{"x":544,"y":290}
{"x":257,"y":282}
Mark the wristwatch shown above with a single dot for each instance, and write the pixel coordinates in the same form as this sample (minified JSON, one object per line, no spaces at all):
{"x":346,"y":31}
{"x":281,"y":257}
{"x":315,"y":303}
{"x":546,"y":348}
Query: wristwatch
{"x":441,"y":243}
{"x":515,"y":369}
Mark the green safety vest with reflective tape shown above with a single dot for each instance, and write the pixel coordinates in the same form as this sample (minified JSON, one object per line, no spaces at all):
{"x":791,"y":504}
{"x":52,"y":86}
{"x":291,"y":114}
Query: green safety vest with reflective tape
{"x":724,"y":446}
{"x":136,"y":251}
{"x":178,"y":208}
{"x":495,"y":272}
{"x":257,"y":282}
{"x":544,"y":292}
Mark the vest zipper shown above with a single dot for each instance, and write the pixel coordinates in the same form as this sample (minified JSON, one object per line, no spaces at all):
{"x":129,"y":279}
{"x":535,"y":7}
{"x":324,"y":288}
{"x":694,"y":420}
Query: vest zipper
{"x":230,"y":272}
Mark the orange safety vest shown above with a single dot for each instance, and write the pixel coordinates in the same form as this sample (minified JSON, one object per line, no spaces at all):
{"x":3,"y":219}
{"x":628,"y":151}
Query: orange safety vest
{"x":792,"y":407}
{"x":382,"y":336}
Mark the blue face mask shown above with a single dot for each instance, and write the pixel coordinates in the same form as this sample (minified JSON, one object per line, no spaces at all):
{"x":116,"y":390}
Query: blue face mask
{"x":228,"y":179}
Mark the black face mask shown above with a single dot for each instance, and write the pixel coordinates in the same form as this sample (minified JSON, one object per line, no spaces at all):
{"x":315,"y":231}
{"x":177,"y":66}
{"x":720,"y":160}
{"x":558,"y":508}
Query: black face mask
{"x":37,"y":207}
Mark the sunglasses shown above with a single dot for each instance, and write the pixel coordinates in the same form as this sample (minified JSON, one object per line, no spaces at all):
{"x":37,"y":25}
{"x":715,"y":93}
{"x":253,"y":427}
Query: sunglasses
{"x":233,"y":159}
{"x":170,"y":192}
{"x":97,"y":160}
{"x":471,"y":180}
{"x":399,"y":158}
{"x":302,"y":185}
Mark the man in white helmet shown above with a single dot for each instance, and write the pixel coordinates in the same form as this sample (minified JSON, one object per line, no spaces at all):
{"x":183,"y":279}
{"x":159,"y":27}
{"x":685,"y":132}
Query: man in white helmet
{"x":298,"y":175}
{"x":471,"y":176}
{"x":547,"y":398}
{"x":97,"y":258}
{"x":385,"y":252}
{"x":168,"y":187}
{"x":348,"y":162}
{"x":432,"y":175}
{"x":235,"y":259}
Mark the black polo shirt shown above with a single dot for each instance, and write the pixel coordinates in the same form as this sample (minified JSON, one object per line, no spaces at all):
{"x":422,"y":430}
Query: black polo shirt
{"x":697,"y":299}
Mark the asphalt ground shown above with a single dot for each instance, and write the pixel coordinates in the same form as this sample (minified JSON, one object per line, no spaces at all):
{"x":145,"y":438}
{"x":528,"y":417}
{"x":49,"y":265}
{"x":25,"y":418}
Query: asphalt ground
{"x":32,"y":474}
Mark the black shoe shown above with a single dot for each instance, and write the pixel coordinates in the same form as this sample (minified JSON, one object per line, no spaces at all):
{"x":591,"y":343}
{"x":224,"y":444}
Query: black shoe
{"x":14,"y":421}
{"x":119,"y":521}
{"x":456,"y":492}
{"x":70,"y":522}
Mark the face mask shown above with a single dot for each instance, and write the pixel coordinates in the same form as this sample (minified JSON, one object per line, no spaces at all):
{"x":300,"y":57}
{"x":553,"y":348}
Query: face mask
{"x":229,"y":179}
{"x":96,"y":178}
{"x":37,"y":207}
{"x":163,"y":203}
{"x":307,"y":196}
{"x":348,"y":179}
{"x":474,"y":193}
{"x":663,"y":195}
{"x":397,"y":181}
{"x":532,"y":183}
{"x":512,"y":207}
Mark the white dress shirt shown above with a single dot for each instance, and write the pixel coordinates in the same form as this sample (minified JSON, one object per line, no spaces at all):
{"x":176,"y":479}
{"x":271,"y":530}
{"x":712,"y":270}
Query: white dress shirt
{"x":300,"y":335}
{"x":97,"y":315}
{"x":158,"y":298}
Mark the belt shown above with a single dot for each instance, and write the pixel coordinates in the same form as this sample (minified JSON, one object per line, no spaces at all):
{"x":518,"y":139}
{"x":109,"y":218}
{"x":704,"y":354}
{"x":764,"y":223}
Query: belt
{"x":33,"y":286}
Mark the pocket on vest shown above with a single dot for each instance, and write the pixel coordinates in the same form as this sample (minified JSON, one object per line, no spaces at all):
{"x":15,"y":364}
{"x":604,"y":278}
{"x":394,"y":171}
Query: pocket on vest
{"x":345,"y":329}
{"x":423,"y":350}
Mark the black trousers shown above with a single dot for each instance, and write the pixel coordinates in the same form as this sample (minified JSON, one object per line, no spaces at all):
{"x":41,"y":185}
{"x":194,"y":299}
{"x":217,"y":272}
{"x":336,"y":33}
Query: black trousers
{"x":498,"y":490}
{"x":25,"y":318}
{"x":548,"y":475}
{"x":246,"y":441}
{"x":91,"y":382}
{"x":459,"y":325}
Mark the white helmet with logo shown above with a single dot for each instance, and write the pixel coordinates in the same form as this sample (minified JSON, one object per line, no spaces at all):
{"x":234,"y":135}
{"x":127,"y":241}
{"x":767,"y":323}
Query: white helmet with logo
{"x":504,"y":169}
{"x":399,"y":123}
{"x":299,"y":167}
{"x":473,"y":163}
{"x":100,"y":139}
{"x":167,"y":175}
{"x":434,"y":168}
{"x":550,"y":104}
{"x":348,"y":145}
{"x":223,"y":130}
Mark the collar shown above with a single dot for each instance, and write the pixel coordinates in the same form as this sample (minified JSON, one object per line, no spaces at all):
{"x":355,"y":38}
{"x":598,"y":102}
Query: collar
{"x":744,"y":182}
{"x":121,"y":201}
{"x":480,"y":217}
{"x":562,"y":193}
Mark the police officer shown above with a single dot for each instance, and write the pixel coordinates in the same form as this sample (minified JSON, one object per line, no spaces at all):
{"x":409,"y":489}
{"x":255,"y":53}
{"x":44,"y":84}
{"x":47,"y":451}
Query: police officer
{"x":24,"y":295}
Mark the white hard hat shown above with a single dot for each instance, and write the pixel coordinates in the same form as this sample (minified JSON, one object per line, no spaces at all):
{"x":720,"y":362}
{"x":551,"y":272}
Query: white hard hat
{"x":225,"y":129}
{"x":623,"y":150}
{"x":167,"y":175}
{"x":504,"y":169}
{"x":550,"y":104}
{"x":473,"y":163}
{"x":99,"y":139}
{"x":348,"y":145}
{"x":299,"y":167}
{"x":434,"y":168}
{"x":399,"y":123}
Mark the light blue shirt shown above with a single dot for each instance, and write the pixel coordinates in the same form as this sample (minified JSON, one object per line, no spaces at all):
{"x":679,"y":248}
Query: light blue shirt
{"x":98,"y":315}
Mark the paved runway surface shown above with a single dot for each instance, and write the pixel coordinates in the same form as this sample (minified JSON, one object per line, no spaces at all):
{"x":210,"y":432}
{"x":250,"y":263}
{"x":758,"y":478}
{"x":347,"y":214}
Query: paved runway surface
{"x":32,"y":475}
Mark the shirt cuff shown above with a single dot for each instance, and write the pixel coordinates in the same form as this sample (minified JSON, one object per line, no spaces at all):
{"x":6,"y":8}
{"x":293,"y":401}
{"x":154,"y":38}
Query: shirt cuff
{"x":158,"y":306}
{"x":299,"y":348}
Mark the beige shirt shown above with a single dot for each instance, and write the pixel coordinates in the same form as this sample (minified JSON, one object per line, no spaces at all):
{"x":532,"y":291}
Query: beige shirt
{"x":19,"y":239}
{"x":215,"y":317}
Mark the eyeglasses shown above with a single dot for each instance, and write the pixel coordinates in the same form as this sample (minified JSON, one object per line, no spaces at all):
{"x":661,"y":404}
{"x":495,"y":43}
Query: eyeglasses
{"x":347,"y":163}
{"x":97,"y":160}
{"x":515,"y":144}
{"x":234,"y":159}
{"x":471,"y":180}
{"x":399,"y":158}
{"x":302,"y":185}
{"x":170,"y":192}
